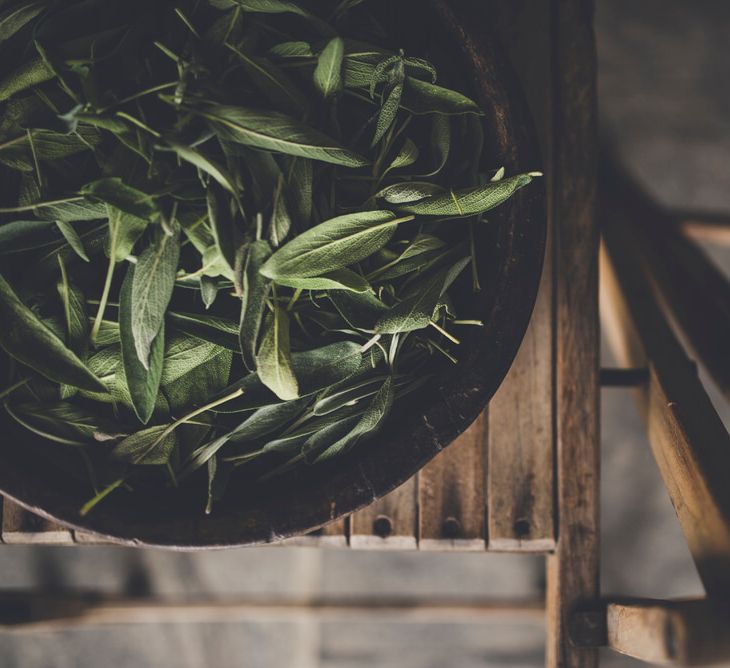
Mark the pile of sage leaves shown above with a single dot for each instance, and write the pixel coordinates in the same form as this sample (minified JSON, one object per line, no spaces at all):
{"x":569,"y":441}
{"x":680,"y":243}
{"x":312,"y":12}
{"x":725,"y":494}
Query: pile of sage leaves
{"x":228,"y":230}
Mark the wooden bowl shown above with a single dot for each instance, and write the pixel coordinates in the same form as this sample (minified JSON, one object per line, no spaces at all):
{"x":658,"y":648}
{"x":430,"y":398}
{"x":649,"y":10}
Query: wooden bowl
{"x":511,"y":263}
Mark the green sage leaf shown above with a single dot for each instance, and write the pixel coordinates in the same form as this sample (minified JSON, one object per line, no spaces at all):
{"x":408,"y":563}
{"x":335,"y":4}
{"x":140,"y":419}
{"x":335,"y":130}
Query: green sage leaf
{"x":416,"y":311}
{"x":328,"y":73}
{"x":25,"y":338}
{"x":152,"y":285}
{"x":341,"y":279}
{"x":273,"y":131}
{"x":255,"y":290}
{"x":143,"y":382}
{"x":118,"y":194}
{"x":72,"y":238}
{"x":332,"y":245}
{"x":468,"y":202}
{"x":148,"y":447}
{"x":369,"y":423}
{"x":274,"y":361}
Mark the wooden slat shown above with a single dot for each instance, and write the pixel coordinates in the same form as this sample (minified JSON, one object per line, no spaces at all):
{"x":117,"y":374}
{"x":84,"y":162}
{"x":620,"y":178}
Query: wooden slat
{"x":697,"y":294}
{"x":693,"y":290}
{"x":687,"y":437}
{"x":714,"y":229}
{"x":20,"y":526}
{"x":451,"y":497}
{"x":28,"y":611}
{"x":520,"y":470}
{"x":676,"y":633}
{"x":520,"y":460}
{"x":389,"y":523}
{"x":573,"y":571}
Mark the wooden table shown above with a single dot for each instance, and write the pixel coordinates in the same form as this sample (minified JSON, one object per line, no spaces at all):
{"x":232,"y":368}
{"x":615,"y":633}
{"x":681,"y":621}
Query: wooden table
{"x":524,"y":477}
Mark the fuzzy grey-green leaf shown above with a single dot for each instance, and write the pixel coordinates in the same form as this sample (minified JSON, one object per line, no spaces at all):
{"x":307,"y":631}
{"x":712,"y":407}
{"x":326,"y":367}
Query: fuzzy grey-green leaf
{"x":28,"y":340}
{"x":328,"y":73}
{"x":332,"y":245}
{"x":273,"y":131}
{"x":154,"y":279}
{"x":143,"y":382}
{"x":468,"y":202}
{"x":274,"y":361}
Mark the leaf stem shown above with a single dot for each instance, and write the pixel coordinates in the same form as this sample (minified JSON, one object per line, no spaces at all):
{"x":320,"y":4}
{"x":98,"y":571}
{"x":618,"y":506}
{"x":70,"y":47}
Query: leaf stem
{"x":474,"y":269}
{"x":35,"y":158}
{"x":446,"y":354}
{"x":293,"y":299}
{"x":89,"y":505}
{"x":9,"y":390}
{"x":38,"y":205}
{"x":66,"y":296}
{"x":444,"y":333}
{"x":135,"y":121}
{"x":136,"y":96}
{"x":186,"y":21}
{"x":185,"y":418}
{"x":114,"y":225}
{"x":370,"y":343}
{"x":475,"y":323}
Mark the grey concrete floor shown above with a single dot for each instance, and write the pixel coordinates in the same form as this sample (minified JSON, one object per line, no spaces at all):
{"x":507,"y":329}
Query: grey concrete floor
{"x":664,"y":101}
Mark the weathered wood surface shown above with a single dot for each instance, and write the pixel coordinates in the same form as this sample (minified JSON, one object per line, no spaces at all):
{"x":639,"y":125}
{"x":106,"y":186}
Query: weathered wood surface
{"x":19,"y":526}
{"x":687,"y":437}
{"x":521,"y":425}
{"x":27,"y":611}
{"x":702,"y":226}
{"x":389,"y":523}
{"x":691,"y":287}
{"x":573,"y":571}
{"x":451,"y":497}
{"x":677,"y":633}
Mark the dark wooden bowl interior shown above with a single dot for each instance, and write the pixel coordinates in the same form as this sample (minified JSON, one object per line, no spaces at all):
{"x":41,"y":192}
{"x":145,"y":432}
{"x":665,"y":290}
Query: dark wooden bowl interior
{"x":513,"y":246}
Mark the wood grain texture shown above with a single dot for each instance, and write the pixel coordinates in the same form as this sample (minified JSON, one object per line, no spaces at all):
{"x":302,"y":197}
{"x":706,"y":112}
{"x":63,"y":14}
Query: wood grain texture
{"x":689,"y":442}
{"x":33,"y":612}
{"x":21,"y":527}
{"x":520,"y":462}
{"x":573,"y":571}
{"x":451,"y":493}
{"x":389,"y":523}
{"x":702,"y":226}
{"x":678,"y":633}
{"x":520,"y":469}
{"x":692,"y":288}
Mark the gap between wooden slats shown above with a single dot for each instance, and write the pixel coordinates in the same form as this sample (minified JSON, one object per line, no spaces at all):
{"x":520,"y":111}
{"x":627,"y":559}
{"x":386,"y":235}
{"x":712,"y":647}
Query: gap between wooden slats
{"x":451,"y":494}
{"x":22,"y":527}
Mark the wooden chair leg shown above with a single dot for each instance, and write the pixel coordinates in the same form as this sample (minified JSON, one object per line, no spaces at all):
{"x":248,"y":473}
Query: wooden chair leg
{"x":573,"y":571}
